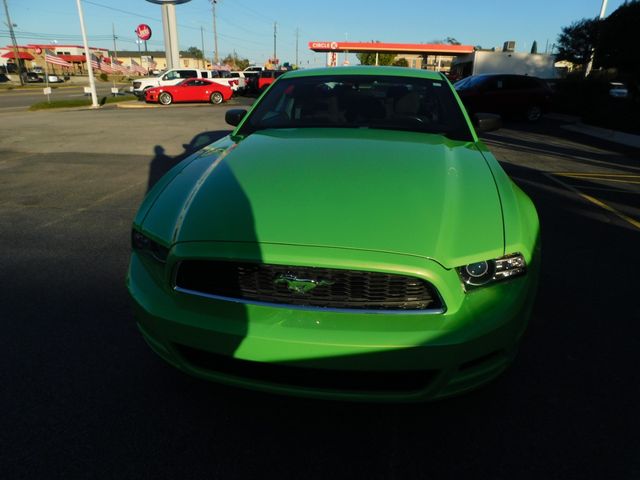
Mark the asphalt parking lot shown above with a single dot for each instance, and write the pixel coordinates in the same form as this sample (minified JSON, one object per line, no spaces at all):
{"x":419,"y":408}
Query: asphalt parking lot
{"x":84,"y":397}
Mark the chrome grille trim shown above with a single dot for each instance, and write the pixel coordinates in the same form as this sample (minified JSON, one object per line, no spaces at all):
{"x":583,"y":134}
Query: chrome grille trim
{"x":243,"y":301}
{"x":314,"y":308}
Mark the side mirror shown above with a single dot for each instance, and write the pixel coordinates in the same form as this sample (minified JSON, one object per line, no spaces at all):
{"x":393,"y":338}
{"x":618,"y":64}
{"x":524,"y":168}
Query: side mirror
{"x":487,"y":122}
{"x":234,"y":117}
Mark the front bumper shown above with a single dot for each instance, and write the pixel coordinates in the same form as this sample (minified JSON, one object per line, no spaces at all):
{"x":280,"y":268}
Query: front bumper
{"x":350,"y":356}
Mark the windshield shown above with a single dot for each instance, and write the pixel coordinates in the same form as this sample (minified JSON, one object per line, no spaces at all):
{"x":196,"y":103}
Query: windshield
{"x":360,"y":101}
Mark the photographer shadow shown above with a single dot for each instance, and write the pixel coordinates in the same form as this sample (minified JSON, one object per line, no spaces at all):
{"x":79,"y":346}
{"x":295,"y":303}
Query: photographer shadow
{"x":162,"y":162}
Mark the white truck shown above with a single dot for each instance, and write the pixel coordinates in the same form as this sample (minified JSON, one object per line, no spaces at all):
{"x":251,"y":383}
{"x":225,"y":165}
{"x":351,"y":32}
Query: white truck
{"x":175,"y":76}
{"x":479,"y":62}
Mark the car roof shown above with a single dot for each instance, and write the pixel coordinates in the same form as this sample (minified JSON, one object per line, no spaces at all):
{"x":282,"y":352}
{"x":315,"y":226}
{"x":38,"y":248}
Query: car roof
{"x":365,"y":70}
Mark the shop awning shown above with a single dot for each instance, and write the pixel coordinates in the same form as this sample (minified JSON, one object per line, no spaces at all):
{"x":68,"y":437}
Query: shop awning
{"x":21,"y":55}
{"x":72,"y":58}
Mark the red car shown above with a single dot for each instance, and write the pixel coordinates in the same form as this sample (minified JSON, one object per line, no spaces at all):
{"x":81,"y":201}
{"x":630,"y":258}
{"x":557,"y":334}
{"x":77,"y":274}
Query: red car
{"x":189,"y":90}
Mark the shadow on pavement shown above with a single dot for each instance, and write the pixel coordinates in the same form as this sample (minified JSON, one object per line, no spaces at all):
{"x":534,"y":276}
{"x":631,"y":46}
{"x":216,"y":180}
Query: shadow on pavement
{"x":162,"y":162}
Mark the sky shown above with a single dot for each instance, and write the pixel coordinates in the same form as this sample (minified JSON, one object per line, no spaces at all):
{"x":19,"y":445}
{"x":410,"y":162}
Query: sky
{"x":246,"y":26}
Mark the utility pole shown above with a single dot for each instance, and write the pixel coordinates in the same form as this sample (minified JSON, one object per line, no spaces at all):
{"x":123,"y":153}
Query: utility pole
{"x":275,"y":32}
{"x":115,"y":50}
{"x":216,"y":59}
{"x":16,"y":55}
{"x":202,"y":40}
{"x":587,"y":71}
{"x":87,"y":57}
{"x":297,"y":36}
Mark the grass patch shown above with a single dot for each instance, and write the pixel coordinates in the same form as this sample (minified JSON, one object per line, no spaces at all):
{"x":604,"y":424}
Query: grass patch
{"x":17,"y":86}
{"x":79,"y":102}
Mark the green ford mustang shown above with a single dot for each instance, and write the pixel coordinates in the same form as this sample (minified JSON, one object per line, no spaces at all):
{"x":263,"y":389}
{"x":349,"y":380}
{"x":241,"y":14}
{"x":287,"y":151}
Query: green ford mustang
{"x":351,"y":239}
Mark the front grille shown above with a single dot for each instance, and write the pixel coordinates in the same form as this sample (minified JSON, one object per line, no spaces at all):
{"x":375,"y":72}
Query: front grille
{"x":314,"y":378}
{"x":136,"y":85}
{"x":333,"y":288}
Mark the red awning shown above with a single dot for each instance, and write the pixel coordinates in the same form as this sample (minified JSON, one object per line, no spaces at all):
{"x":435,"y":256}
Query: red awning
{"x":72,"y":58}
{"x":22,"y":55}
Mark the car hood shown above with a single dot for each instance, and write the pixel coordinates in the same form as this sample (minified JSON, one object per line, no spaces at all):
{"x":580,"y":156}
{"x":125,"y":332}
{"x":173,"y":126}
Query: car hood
{"x":390,"y":191}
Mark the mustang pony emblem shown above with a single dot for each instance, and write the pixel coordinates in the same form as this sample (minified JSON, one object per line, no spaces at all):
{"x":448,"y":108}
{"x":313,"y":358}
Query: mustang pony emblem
{"x":300,"y":285}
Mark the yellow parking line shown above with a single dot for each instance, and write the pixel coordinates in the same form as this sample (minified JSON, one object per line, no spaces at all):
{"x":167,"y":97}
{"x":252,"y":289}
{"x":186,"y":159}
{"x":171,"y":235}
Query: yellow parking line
{"x":618,"y":214}
{"x":628,"y":182}
{"x":603,"y":177}
{"x":633,"y":222}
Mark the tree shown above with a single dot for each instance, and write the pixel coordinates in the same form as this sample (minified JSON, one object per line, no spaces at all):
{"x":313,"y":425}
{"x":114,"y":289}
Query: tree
{"x":534,"y":47}
{"x":195,"y":52}
{"x":401,"y":62}
{"x":617,"y":46}
{"x":577,"y":41}
{"x":446,"y":40}
{"x":235,"y":62}
{"x":369,"y":58}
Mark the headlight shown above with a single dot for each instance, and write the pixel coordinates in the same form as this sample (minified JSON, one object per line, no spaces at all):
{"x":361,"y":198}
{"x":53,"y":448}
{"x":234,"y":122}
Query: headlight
{"x":490,"y":271}
{"x":141,"y":243}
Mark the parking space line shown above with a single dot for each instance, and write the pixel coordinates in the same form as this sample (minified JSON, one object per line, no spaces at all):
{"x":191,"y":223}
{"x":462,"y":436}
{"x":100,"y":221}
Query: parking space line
{"x":596,"y":202}
{"x":603,"y":177}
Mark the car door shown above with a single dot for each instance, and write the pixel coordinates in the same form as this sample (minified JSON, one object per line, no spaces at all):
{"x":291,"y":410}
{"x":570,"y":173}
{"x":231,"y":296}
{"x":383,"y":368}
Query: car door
{"x":202,"y":90}
{"x":191,"y":90}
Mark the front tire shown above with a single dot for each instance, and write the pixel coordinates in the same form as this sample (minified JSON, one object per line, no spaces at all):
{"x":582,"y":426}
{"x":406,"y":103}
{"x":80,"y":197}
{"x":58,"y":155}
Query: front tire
{"x":216,"y":98}
{"x":165,"y":98}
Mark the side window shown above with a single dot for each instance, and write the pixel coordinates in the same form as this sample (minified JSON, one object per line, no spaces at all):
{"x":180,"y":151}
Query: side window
{"x":189,"y":74}
{"x":205,"y":74}
{"x":172,"y":75}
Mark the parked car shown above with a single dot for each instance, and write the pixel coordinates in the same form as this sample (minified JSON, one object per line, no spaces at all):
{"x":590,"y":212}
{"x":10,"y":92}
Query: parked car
{"x":618,"y":90}
{"x":173,"y":77}
{"x":190,"y":90}
{"x":253,"y":68}
{"x":251,"y":80}
{"x":352,"y":238}
{"x":33,"y":77}
{"x":507,"y":95}
{"x":266,"y":78}
{"x":242,"y":81}
{"x":55,"y":79}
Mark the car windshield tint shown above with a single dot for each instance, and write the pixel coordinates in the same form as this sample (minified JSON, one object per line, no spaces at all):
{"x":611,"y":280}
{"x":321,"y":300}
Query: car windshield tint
{"x":360,"y":101}
{"x":469,"y":82}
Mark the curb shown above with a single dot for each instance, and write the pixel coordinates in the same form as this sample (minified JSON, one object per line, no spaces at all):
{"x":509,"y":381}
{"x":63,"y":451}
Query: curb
{"x":574,"y":124}
{"x":627,"y":139}
{"x":139,"y":104}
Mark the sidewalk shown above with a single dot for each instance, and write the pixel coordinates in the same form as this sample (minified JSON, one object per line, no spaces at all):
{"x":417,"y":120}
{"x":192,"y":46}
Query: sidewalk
{"x":574,"y":124}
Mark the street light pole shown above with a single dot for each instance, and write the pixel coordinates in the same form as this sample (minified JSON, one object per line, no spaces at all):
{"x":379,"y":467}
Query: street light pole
{"x":87,"y":56}
{"x":16,"y":55}
{"x":587,"y":71}
{"x":275,"y":32}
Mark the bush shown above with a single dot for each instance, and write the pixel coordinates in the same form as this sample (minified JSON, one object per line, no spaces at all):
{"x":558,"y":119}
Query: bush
{"x":104,"y":77}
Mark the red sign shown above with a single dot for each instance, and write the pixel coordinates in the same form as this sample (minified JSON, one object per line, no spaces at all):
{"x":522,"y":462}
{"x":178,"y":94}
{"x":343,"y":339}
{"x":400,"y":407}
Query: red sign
{"x":143,"y":31}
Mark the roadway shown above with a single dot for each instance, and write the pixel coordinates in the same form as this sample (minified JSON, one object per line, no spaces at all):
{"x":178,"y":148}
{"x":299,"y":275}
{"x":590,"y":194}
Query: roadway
{"x":83,"y":397}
